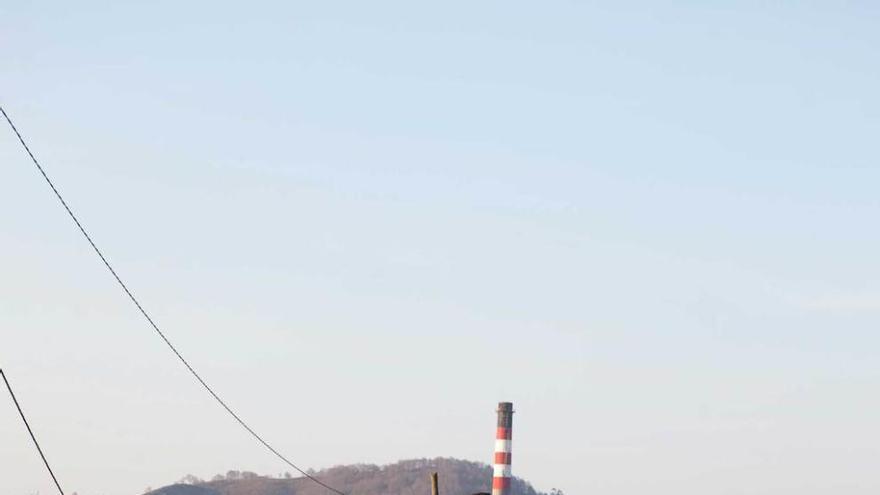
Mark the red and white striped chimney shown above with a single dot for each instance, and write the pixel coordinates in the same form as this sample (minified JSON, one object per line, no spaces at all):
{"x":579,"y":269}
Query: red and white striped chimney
{"x":503,"y":437}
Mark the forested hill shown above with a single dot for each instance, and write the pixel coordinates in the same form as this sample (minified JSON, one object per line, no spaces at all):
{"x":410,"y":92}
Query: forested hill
{"x":409,"y":477}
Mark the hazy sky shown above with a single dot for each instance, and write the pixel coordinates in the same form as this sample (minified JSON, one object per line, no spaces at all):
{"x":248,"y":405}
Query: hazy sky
{"x":653,"y":227}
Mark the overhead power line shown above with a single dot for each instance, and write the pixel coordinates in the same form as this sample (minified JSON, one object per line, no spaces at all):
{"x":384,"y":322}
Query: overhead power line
{"x":28,"y":426}
{"x":150,"y":319}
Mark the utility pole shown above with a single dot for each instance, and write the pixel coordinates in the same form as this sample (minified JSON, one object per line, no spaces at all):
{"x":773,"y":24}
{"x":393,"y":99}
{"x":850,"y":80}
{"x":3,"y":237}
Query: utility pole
{"x":435,"y":489}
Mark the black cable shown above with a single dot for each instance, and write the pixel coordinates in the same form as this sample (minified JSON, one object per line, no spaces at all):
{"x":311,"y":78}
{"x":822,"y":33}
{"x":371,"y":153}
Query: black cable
{"x":28,"y":426}
{"x":150,"y":320}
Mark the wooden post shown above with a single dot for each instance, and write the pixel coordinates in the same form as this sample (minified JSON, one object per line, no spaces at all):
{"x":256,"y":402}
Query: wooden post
{"x":435,"y":490}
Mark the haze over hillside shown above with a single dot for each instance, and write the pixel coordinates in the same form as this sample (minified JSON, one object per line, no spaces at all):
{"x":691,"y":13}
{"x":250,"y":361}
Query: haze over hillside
{"x":408,"y":477}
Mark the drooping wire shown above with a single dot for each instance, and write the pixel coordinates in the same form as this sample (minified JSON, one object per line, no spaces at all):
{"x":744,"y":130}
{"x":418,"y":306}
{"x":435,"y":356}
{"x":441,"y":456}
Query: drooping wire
{"x":33,"y":437}
{"x":150,"y":319}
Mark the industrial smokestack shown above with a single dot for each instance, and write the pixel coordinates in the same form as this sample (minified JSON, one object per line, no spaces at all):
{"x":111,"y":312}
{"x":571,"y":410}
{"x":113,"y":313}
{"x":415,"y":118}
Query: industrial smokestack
{"x":503,"y":437}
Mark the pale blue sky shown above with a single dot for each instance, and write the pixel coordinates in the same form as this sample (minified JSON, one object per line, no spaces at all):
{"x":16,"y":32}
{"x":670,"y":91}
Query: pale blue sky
{"x":652,"y":226}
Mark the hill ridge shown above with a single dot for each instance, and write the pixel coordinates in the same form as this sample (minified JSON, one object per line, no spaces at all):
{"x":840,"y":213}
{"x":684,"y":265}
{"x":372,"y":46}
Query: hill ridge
{"x":405,"y":477}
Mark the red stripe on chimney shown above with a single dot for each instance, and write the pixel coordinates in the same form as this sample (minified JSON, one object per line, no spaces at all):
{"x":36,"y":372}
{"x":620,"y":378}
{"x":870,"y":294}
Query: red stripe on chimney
{"x":500,"y":483}
{"x":504,"y":433}
{"x":502,"y":458}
